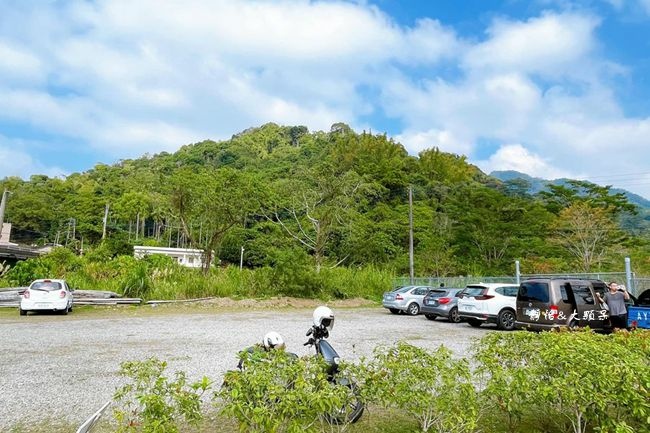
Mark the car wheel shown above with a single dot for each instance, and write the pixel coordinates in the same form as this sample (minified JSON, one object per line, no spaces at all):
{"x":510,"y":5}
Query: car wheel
{"x":506,"y":320}
{"x":65,"y":311}
{"x":22,"y":312}
{"x":394,"y":310}
{"x":573,"y":325}
{"x":413,"y":309}
{"x":474,"y":323}
{"x":430,"y":316}
{"x":453,"y":315}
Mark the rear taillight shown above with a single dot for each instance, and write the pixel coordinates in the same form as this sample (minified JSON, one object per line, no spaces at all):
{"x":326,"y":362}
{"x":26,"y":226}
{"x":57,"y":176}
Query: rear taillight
{"x":62,"y":294}
{"x":483,"y":297}
{"x":444,"y":300}
{"x":554,"y":311}
{"x":26,"y":294}
{"x":399,"y":297}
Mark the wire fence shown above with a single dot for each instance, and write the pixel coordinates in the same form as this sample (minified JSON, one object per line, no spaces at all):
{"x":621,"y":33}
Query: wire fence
{"x":636,"y":285}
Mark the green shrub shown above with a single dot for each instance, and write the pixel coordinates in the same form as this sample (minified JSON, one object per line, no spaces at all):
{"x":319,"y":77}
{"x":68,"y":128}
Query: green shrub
{"x":135,"y":280}
{"x":153,"y":403}
{"x":580,"y":381}
{"x":432,"y":387}
{"x":26,"y":271}
{"x":276,"y":392}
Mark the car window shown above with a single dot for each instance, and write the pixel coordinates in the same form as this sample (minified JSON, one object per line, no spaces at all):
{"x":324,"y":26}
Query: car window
{"x":46,"y":285}
{"x":437,"y":293}
{"x":600,"y":290}
{"x":420,"y":291}
{"x":532,"y":291}
{"x":474,"y":290}
{"x":582,"y":294}
{"x":507,"y":291}
{"x":564,"y":292}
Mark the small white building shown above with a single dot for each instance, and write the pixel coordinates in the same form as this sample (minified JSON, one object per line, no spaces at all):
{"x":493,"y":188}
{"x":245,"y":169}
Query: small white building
{"x":184,"y":256}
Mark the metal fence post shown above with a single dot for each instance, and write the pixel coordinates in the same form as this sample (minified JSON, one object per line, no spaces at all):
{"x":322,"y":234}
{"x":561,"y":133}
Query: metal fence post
{"x":628,"y":275}
{"x":517,"y":272}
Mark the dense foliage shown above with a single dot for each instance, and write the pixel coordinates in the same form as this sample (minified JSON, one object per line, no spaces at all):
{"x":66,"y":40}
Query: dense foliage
{"x":514,"y":382}
{"x":328,"y":199}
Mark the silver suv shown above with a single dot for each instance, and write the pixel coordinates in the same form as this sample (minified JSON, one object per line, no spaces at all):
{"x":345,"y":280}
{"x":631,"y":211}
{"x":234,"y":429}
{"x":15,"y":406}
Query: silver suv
{"x":407,"y":299}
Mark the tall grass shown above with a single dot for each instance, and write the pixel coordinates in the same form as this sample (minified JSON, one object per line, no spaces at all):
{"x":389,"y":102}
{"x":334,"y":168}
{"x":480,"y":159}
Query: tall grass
{"x":158,"y":277}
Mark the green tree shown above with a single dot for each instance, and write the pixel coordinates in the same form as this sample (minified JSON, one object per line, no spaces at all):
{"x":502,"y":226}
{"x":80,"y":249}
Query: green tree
{"x":209,"y":202}
{"x":587,"y":233}
{"x":315,"y":207}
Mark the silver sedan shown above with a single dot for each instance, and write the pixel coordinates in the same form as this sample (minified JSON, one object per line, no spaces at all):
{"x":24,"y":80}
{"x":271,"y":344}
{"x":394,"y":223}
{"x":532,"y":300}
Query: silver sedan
{"x":406,"y":299}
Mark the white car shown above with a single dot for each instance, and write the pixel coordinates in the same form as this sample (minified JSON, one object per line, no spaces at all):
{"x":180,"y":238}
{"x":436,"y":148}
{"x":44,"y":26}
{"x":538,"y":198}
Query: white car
{"x":489,"y":303}
{"x":46,"y":295}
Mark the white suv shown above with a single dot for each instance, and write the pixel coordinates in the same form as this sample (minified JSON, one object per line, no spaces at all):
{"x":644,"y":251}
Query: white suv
{"x":489,"y":303}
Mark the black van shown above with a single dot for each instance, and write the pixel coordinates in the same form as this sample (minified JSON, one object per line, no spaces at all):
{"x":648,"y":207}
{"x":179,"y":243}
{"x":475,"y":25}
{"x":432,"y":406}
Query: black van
{"x":548,"y":303}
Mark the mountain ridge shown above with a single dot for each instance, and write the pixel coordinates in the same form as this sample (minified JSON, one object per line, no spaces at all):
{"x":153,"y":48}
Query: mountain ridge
{"x":538,"y":184}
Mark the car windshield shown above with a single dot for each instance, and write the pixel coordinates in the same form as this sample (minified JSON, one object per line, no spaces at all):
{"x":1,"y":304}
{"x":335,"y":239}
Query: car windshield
{"x":404,"y":289}
{"x":46,"y":285}
{"x":436,"y":293}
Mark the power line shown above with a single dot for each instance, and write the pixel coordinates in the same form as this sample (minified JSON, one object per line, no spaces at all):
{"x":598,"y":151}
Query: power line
{"x":607,"y":176}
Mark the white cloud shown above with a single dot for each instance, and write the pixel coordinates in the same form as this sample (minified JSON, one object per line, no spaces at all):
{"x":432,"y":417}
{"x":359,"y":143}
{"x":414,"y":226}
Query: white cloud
{"x":127,"y":78}
{"x":200,"y":68}
{"x":19,"y":64}
{"x":446,"y":141}
{"x":552,"y":44}
{"x":16,"y":160}
{"x":518,"y":158}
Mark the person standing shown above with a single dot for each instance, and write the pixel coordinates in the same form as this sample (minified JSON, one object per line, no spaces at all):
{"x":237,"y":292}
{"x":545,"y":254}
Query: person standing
{"x":615,"y":299}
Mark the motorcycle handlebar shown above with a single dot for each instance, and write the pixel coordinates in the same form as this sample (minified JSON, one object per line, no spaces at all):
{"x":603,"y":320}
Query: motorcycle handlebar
{"x":309,"y":332}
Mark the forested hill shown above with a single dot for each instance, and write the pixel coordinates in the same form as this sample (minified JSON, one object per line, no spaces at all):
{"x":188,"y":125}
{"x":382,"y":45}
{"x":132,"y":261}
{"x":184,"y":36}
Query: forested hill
{"x":337,"y":198}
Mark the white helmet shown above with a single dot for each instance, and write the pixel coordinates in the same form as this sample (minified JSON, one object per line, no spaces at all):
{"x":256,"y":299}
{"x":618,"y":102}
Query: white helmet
{"x":324,"y":316}
{"x":273,"y":340}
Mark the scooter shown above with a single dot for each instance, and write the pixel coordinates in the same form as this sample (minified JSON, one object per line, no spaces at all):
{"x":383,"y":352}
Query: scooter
{"x":352,"y":411}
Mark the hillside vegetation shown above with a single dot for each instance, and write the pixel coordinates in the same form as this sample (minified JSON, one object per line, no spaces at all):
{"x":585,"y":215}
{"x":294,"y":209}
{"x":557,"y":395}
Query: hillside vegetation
{"x":302,"y":203}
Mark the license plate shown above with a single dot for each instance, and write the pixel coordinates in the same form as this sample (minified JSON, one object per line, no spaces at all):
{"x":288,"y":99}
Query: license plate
{"x":43,"y":304}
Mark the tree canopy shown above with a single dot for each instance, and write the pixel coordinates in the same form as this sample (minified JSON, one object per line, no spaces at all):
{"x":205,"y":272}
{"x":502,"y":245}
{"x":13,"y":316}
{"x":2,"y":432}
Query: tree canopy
{"x":339,"y":198}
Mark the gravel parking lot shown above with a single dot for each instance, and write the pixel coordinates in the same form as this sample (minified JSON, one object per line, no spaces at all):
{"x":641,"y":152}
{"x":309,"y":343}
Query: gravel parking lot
{"x":65,"y":367}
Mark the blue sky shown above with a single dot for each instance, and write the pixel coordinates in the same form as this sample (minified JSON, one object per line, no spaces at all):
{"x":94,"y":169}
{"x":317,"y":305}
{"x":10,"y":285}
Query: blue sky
{"x":549,"y":88}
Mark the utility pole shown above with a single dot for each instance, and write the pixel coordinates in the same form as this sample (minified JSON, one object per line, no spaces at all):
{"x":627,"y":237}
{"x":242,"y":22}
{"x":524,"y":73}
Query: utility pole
{"x":3,"y":204}
{"x":105,"y":221}
{"x":241,"y":259}
{"x":137,"y":226}
{"x":412,"y":275}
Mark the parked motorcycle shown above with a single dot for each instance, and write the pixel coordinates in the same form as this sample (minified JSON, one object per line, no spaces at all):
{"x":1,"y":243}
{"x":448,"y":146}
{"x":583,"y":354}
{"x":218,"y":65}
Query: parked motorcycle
{"x":323,"y":322}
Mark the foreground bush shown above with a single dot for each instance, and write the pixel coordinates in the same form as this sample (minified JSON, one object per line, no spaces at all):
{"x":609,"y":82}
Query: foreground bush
{"x":435,"y":389}
{"x":153,"y":403}
{"x":277,"y":392}
{"x":553,"y":382}
{"x":567,"y":381}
